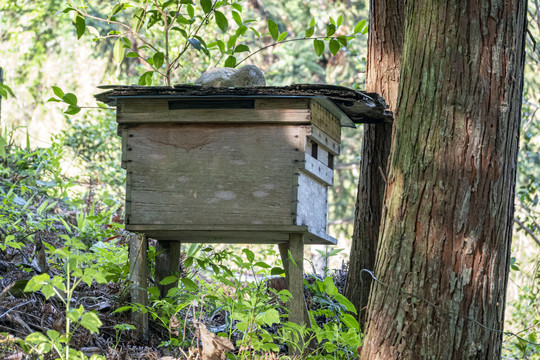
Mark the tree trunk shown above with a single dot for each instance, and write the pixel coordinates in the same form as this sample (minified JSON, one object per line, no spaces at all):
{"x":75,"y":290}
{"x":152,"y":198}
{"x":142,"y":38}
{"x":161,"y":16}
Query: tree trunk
{"x":383,"y":66}
{"x":443,"y":256}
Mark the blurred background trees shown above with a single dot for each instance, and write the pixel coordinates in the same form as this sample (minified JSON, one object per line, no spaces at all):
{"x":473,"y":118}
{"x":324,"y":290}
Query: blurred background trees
{"x":39,"y":48}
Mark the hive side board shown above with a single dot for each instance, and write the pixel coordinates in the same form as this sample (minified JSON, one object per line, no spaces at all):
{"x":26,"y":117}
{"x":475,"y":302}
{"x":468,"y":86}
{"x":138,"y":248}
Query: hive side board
{"x":192,"y":177}
{"x":211,"y":174}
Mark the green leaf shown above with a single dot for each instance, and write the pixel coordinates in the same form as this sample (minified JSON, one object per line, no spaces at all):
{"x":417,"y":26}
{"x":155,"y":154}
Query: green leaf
{"x":91,"y":321}
{"x":116,"y":9}
{"x":330,"y":29}
{"x":221,"y":21}
{"x":37,"y":282}
{"x":360,"y":26}
{"x":350,"y":322}
{"x":242,"y":326}
{"x":42,"y":343}
{"x":230,"y":62}
{"x":127,"y":42}
{"x":262,"y":265}
{"x":3,"y":144}
{"x":169,"y":280}
{"x":189,"y":284}
{"x":345,"y":302}
{"x":118,"y":52}
{"x":329,"y":286}
{"x":366,"y":29}
{"x":231,"y":42}
{"x":195,"y":43}
{"x":70,"y":99}
{"x":237,"y":18}
{"x":206,"y":5}
{"x":58,"y":92}
{"x":80,"y":25}
{"x":72,"y":110}
{"x":241,"y":30}
{"x":237,"y":7}
{"x":269,"y":317}
{"x":277,"y":271}
{"x":339,"y":21}
{"x":241,"y":48}
{"x":312,"y":23}
{"x":319,"y":46}
{"x":92,"y":30}
{"x":48,"y":291}
{"x":282,"y":36}
{"x":132,"y":54}
{"x":188,"y":262}
{"x":310,"y":31}
{"x":334,"y":46}
{"x":146,"y":78}
{"x":53,"y":334}
{"x":343,"y":40}
{"x":191,"y":11}
{"x":273,"y":29}
{"x":257,"y":34}
{"x":159,"y":59}
{"x":138,"y":18}
{"x":250,"y":256}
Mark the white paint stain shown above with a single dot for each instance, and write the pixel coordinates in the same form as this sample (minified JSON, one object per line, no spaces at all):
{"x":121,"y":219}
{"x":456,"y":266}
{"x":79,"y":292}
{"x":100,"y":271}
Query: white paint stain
{"x":238,"y":162}
{"x":225,"y":195}
{"x":260,"y":194}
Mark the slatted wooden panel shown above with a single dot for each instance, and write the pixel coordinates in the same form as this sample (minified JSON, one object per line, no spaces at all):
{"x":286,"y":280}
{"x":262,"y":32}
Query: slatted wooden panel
{"x":312,"y":204}
{"x":212,"y":174}
{"x":265,"y":111}
{"x":324,"y":120}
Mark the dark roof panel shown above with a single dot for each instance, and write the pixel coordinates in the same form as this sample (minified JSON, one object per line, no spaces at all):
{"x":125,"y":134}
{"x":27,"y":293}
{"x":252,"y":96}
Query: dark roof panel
{"x":358,"y":106}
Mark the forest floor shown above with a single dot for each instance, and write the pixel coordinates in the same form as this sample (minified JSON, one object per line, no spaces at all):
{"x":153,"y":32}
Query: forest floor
{"x":24,"y":313}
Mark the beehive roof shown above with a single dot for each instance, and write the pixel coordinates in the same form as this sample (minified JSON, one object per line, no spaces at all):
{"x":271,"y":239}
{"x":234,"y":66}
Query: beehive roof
{"x":358,"y":106}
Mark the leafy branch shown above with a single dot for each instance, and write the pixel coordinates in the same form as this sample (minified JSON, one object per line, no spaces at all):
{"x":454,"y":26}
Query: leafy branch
{"x":142,"y":16}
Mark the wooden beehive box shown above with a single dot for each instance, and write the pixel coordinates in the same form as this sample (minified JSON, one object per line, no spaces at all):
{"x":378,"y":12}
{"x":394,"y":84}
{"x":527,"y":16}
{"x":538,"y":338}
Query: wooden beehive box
{"x":229,"y":165}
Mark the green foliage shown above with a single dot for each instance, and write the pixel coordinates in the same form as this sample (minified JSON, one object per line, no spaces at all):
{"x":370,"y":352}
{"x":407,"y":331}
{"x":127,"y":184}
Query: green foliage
{"x":78,"y":267}
{"x":161,"y":35}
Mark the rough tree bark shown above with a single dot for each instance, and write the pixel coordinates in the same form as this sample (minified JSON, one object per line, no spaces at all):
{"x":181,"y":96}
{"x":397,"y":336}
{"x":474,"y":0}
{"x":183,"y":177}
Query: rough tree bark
{"x":383,"y":66}
{"x":444,"y":246}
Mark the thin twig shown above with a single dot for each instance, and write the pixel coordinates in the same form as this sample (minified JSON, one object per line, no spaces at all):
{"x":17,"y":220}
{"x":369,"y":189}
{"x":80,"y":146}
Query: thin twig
{"x":15,"y":307}
{"x":191,"y":35}
{"x":283,"y":42}
{"x":528,"y":231}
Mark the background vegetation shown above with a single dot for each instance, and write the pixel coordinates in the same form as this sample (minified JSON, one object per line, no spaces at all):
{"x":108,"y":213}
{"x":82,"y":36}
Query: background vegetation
{"x":61,"y":187}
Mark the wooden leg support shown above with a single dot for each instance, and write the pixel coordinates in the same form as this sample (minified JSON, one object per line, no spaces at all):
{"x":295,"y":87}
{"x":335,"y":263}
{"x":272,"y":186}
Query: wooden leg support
{"x":138,"y":269}
{"x":167,"y":263}
{"x":294,"y":272}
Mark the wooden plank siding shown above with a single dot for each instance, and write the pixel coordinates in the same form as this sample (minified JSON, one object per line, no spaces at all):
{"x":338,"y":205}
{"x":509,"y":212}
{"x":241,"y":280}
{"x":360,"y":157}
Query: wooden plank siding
{"x":232,"y":175}
{"x":212,"y":174}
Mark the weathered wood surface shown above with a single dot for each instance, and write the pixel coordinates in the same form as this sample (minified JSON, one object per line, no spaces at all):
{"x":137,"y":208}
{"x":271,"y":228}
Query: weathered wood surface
{"x":167,"y":263}
{"x":312,"y":206}
{"x":230,"y":234}
{"x":331,"y":145}
{"x":325,"y":121}
{"x":138,"y":270}
{"x":158,"y":111}
{"x":201,"y":174}
{"x":294,"y":271}
{"x":360,"y":107}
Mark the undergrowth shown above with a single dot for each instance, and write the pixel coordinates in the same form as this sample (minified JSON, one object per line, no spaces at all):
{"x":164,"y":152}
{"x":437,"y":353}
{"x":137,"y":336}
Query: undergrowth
{"x":65,"y":274}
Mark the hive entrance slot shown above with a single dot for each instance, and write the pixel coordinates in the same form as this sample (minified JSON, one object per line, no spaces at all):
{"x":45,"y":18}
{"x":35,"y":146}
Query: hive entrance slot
{"x":212,"y":104}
